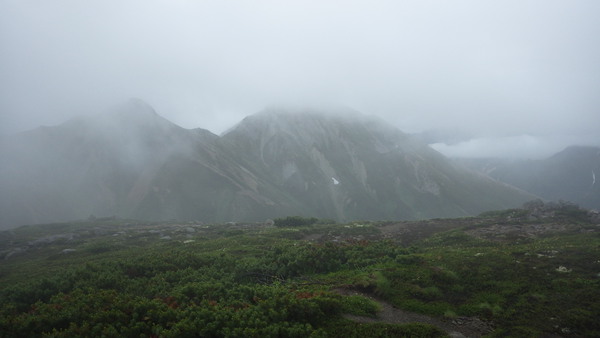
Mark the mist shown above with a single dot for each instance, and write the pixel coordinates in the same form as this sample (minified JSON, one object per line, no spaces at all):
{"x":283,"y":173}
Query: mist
{"x":522,"y":76}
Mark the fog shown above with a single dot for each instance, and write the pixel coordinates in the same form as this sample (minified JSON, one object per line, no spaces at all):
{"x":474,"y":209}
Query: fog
{"x":521,"y":77}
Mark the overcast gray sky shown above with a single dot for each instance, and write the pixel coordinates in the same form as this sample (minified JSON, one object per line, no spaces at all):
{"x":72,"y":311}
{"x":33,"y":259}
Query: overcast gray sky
{"x":522,"y":76}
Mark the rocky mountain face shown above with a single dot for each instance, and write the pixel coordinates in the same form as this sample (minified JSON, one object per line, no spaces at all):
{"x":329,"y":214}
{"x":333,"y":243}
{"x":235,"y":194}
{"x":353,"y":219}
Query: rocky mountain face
{"x":133,"y":163}
{"x":570,"y":175}
{"x":347,"y":166}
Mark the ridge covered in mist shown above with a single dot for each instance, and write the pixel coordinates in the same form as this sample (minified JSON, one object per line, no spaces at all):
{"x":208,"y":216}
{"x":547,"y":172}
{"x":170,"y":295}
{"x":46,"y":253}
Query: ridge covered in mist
{"x":132,"y":163}
{"x":572,"y":174}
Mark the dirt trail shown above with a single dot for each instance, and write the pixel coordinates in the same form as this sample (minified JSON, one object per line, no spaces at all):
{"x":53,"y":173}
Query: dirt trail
{"x":459,"y":327}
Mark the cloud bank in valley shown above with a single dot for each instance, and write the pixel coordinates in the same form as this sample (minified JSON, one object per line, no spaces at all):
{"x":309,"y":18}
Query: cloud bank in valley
{"x":521,"y":75}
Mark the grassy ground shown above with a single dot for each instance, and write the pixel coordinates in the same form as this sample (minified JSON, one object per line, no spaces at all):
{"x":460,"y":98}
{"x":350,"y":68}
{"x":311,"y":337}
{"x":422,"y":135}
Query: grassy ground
{"x":519,"y":275}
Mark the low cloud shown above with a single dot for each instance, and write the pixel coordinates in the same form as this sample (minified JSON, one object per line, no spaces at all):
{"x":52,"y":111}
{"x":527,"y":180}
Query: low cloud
{"x":517,"y":147}
{"x":489,"y":68}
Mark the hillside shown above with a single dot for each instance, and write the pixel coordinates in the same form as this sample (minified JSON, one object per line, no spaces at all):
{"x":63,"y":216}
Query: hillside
{"x":347,"y":166}
{"x":520,"y":272}
{"x":132,"y":163}
{"x":572,"y":175}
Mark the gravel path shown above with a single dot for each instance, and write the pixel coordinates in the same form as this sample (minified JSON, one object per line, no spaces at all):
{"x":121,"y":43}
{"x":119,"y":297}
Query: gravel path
{"x":459,"y":327}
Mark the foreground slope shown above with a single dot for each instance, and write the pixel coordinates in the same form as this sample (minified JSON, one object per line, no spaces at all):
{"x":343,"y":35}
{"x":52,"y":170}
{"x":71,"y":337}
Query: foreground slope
{"x":520,"y":273}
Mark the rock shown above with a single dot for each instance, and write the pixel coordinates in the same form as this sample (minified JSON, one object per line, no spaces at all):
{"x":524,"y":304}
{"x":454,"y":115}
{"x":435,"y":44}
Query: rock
{"x":16,"y":251}
{"x":52,"y":239}
{"x":594,"y":216}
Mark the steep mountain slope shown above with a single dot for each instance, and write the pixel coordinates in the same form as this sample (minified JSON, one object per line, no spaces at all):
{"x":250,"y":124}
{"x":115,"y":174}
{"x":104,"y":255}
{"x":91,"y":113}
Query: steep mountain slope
{"x":347,"y":166}
{"x":132,"y":163}
{"x":572,"y":175}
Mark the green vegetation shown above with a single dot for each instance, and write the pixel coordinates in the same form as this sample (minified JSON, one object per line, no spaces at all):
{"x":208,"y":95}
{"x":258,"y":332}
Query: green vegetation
{"x":250,"y":280}
{"x":294,"y":221}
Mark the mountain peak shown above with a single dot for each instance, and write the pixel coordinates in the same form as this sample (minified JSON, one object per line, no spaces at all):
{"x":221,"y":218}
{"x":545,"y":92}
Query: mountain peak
{"x":331,"y":113}
{"x":310,"y":120}
{"x":133,"y":113}
{"x":134,"y":110}
{"x":314,"y":109}
{"x":577,"y":150}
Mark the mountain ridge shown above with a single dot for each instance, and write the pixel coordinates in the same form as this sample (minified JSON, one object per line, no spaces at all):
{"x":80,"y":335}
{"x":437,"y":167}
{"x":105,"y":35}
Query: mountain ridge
{"x":572,"y":174}
{"x":133,"y":163}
